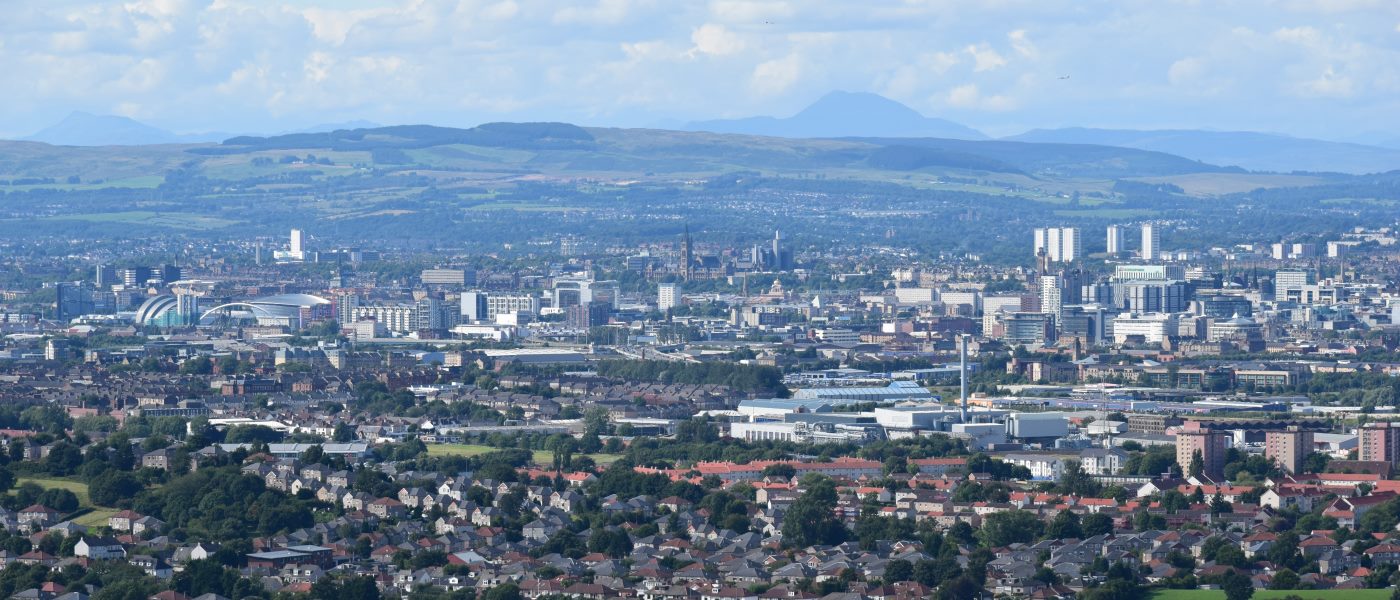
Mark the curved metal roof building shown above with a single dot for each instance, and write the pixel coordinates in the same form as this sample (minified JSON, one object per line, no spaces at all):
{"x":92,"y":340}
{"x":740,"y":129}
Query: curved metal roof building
{"x":291,"y":310}
{"x":155,"y":308}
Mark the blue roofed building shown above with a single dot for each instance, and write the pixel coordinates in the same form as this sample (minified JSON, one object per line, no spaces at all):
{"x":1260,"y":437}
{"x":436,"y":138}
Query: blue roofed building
{"x":894,"y":392}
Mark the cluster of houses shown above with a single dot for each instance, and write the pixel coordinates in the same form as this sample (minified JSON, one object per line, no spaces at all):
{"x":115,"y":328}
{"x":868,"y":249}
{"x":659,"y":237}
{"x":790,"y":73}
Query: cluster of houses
{"x":687,"y":556}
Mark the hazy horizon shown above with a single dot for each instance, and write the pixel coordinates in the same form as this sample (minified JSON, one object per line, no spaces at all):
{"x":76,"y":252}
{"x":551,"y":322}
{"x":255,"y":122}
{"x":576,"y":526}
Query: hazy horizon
{"x":1328,"y":69}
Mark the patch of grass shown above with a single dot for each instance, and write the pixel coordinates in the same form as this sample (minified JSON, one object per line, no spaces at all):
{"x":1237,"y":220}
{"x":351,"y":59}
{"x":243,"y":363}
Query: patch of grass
{"x":522,"y":207}
{"x":1274,"y":594}
{"x":96,"y":517}
{"x":145,"y":217}
{"x":1364,"y":201}
{"x":1218,"y":184}
{"x":89,"y":515}
{"x":458,"y":449}
{"x":542,"y":457}
{"x":78,"y":488}
{"x":142,"y":182}
{"x":1108,"y":213}
{"x":545,"y":457}
{"x":376,"y":213}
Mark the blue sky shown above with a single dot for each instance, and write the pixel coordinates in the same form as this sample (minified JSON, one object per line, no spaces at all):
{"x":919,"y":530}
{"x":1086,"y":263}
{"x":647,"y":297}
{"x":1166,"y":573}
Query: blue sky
{"x":1321,"y":68}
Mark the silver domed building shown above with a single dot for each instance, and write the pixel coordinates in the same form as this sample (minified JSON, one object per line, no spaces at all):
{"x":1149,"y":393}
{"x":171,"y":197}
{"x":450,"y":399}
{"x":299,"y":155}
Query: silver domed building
{"x":283,"y":310}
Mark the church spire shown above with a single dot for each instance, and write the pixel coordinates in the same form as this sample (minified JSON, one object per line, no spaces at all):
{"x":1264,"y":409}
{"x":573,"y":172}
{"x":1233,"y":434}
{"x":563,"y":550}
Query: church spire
{"x":687,"y":266}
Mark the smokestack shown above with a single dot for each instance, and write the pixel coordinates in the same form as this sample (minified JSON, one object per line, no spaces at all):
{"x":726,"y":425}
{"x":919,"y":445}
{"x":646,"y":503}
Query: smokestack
{"x":962,"y":366}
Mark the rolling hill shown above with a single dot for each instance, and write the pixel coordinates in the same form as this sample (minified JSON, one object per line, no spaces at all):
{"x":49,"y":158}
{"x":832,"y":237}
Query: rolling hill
{"x":86,"y":129}
{"x":561,"y":147}
{"x":1249,"y":150}
{"x":499,"y":183}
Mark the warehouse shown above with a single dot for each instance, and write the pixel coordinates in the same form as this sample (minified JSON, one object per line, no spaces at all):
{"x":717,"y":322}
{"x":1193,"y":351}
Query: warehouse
{"x":895,"y":391}
{"x":1036,"y":426}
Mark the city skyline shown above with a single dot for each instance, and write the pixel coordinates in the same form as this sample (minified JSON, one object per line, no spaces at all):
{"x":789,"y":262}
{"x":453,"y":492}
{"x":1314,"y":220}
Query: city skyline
{"x":859,"y":352}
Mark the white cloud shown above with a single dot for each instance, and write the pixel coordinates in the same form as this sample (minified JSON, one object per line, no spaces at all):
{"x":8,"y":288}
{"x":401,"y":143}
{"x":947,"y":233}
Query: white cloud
{"x":144,"y":76}
{"x":68,"y":42}
{"x":128,"y":109}
{"x":318,"y":66}
{"x":985,"y":58}
{"x":1185,"y":70}
{"x":501,"y":11}
{"x":602,"y":12}
{"x":908,"y":81}
{"x":715,"y":40}
{"x":640,"y":51}
{"x":244,"y":77}
{"x":260,"y":66}
{"x":750,"y":11}
{"x":1304,"y":35}
{"x":776,"y":76}
{"x":158,"y":8}
{"x":332,"y":25}
{"x":1330,"y":83}
{"x":968,"y":96}
{"x":1022,"y":44}
{"x":963,"y":96}
{"x":1337,"y":6}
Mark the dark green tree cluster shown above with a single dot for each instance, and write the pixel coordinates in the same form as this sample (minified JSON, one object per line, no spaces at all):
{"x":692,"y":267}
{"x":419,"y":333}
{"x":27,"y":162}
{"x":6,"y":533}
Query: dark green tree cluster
{"x":812,"y":520}
{"x":201,"y":577}
{"x":997,"y":468}
{"x":344,"y":588}
{"x":220,"y":503}
{"x":744,"y":378}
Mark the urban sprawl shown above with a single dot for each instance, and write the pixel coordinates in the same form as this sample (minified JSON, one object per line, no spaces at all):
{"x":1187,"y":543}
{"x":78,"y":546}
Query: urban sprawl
{"x":684,"y":419}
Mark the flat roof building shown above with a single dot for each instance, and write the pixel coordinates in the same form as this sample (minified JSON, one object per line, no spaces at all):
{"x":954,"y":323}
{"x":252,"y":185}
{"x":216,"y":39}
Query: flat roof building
{"x":897,"y":390}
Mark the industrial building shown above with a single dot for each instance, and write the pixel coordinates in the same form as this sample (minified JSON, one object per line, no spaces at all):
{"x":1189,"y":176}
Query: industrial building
{"x":1036,"y":426}
{"x":895,"y":391}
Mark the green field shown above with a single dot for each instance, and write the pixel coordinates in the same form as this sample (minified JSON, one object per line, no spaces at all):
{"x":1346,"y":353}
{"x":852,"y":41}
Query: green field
{"x":79,"y":489}
{"x":1363,"y":201}
{"x":140,"y":182}
{"x":145,"y":217}
{"x":1275,"y":594}
{"x":458,"y":450}
{"x":96,"y":517}
{"x":522,"y":207}
{"x":542,"y":457}
{"x":1217,"y":184}
{"x":1108,"y":213}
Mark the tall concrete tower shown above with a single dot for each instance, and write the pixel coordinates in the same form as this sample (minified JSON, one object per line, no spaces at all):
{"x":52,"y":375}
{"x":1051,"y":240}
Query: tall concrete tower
{"x":1151,"y":241}
{"x":962,"y":366}
{"x":1115,"y":239}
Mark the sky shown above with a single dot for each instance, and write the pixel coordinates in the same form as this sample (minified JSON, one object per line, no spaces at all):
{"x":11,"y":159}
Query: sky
{"x":1313,"y":68}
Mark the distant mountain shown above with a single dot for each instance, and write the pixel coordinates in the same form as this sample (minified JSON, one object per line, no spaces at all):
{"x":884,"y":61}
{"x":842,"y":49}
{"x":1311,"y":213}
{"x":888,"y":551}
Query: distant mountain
{"x":845,"y":114}
{"x":532,"y":136}
{"x":1249,"y":150}
{"x":328,"y":127}
{"x":1039,"y":159}
{"x":86,"y":129}
{"x":1393,"y":143}
{"x":568,"y":148}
